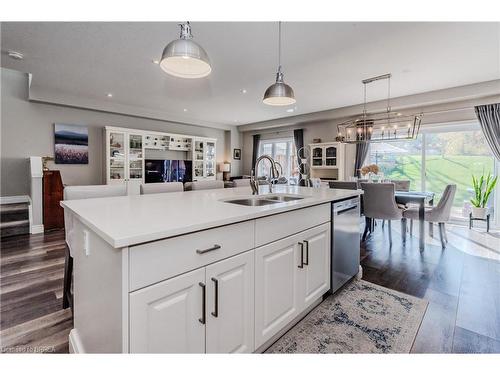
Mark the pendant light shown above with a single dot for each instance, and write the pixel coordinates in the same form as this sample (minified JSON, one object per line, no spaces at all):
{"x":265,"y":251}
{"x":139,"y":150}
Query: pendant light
{"x":279,"y":93}
{"x":184,"y":57}
{"x":380,"y":127}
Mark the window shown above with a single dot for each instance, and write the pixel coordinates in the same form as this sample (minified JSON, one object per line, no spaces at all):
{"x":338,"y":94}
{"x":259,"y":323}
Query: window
{"x":281,"y":150}
{"x":442,"y":155}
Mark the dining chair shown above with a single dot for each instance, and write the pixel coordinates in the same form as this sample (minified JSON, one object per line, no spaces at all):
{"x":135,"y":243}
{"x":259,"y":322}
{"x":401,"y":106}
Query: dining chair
{"x":438,"y":214}
{"x":401,"y":185}
{"x":204,"y":185}
{"x":379,"y":203}
{"x":361,"y":181}
{"x":161,"y":187}
{"x":348,"y":185}
{"x":77,"y":193}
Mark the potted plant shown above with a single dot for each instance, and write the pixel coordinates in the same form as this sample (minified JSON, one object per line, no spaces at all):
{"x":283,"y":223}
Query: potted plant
{"x":483,"y":187}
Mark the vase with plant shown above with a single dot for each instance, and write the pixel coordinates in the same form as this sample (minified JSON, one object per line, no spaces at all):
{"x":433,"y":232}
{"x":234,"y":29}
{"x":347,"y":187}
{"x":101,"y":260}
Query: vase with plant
{"x":483,"y":187}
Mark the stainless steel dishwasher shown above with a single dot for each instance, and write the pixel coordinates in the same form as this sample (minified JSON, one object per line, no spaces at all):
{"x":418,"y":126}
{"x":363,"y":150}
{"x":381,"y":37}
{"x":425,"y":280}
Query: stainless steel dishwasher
{"x":345,"y":242}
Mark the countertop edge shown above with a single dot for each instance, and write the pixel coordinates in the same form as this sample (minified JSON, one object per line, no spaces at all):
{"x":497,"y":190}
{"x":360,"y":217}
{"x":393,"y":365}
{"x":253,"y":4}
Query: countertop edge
{"x":119,"y":243}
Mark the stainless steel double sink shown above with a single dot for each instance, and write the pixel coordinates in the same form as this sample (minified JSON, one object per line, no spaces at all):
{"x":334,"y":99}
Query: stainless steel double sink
{"x":264,"y":200}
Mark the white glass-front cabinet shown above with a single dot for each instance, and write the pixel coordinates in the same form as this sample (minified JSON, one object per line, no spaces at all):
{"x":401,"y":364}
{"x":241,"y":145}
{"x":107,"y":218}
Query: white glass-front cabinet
{"x":210,"y":164}
{"x":208,"y":310}
{"x":327,"y":156}
{"x":204,"y":162}
{"x":125,"y":159}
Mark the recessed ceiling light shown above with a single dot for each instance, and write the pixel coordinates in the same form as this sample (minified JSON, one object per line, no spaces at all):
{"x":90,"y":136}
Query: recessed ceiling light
{"x":109,"y":95}
{"x":155,"y":61}
{"x":15,"y":55}
{"x":243,"y":91}
{"x":185,"y":110}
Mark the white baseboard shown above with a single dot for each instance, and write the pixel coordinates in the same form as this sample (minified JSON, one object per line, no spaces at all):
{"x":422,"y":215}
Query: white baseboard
{"x":75,"y":344}
{"x":34,"y":229}
{"x":15,"y":199}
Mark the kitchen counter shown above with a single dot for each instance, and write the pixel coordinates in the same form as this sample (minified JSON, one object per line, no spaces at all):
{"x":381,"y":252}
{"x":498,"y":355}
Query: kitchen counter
{"x":131,"y":220}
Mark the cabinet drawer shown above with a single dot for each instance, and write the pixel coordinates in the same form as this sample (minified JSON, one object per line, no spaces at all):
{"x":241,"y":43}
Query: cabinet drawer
{"x":156,"y":261}
{"x":272,"y":228}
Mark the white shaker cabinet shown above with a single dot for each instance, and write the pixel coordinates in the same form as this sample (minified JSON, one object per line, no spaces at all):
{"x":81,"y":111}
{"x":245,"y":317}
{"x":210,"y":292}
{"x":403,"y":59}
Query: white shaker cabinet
{"x":212,"y":306}
{"x":168,"y":317}
{"x":276,"y":287}
{"x":230,"y":305}
{"x":315,"y":278}
{"x":290,"y":274}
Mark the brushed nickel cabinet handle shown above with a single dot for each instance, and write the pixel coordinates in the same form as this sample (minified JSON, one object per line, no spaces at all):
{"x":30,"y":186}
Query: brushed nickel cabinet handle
{"x":301,"y":265}
{"x":215,"y":313}
{"x":215,"y":247}
{"x":307,"y":253}
{"x":202,"y":320}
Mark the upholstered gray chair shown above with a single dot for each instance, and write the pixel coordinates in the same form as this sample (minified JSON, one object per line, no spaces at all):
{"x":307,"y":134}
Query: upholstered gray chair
{"x":93,"y":191}
{"x":401,"y":185}
{"x":361,"y":181}
{"x":161,"y":187}
{"x":74,"y":193}
{"x":379,"y":203}
{"x":241,"y":182}
{"x":439,"y":214}
{"x":204,"y":185}
{"x":348,"y":185}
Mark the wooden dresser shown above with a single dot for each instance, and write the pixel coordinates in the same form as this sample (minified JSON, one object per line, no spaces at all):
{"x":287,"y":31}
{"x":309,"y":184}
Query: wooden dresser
{"x":53,"y":213}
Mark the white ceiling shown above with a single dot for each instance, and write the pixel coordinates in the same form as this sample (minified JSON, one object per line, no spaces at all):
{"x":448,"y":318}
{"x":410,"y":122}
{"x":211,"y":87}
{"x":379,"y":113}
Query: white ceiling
{"x":323,"y":62}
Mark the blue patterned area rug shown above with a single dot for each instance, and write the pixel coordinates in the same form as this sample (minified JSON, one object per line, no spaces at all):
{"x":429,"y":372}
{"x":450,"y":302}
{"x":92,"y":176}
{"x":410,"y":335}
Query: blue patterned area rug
{"x":361,"y":318}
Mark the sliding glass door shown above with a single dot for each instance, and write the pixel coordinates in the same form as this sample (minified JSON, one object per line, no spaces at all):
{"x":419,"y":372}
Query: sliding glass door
{"x":452,"y":157}
{"x":441,"y":155}
{"x":399,"y":160}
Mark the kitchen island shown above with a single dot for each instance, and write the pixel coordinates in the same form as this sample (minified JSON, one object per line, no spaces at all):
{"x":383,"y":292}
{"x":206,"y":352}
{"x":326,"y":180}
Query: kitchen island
{"x":199,"y":271}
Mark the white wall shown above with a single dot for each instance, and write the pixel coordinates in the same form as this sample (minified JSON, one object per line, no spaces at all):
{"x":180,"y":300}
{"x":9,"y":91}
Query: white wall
{"x":27,"y":129}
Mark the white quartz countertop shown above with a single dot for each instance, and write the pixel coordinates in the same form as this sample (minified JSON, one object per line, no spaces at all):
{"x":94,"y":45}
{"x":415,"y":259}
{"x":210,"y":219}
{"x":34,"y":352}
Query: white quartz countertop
{"x":130,"y":220}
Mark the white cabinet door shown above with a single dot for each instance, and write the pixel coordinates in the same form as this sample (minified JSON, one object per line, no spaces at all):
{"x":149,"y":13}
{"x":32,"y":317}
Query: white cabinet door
{"x":165,"y":318}
{"x":276,"y":287}
{"x":315,"y":276}
{"x":230,"y":305}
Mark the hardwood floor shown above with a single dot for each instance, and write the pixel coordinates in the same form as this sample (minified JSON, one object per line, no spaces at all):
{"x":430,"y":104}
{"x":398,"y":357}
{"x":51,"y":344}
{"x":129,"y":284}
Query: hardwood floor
{"x":31,"y":278}
{"x":461,"y":283}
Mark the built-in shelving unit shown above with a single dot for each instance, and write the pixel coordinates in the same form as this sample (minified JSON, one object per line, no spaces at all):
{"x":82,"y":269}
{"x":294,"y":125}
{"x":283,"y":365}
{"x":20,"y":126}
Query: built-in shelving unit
{"x":327,"y":160}
{"x":126,"y":151}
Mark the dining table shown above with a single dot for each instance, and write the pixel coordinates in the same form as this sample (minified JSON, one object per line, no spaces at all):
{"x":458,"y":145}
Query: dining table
{"x":421,"y":198}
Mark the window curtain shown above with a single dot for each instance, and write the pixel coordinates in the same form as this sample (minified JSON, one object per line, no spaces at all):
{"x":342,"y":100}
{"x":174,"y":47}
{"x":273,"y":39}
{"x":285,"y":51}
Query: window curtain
{"x":361,"y":154}
{"x":298,"y":139}
{"x":489,"y":118}
{"x":362,"y":148}
{"x":255,"y":154}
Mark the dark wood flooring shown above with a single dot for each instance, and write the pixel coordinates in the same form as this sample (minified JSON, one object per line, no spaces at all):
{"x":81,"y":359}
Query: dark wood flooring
{"x":31,"y":279}
{"x":463,"y":291}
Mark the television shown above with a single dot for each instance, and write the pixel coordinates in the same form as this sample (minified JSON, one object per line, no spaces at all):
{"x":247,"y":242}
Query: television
{"x":168,"y":170}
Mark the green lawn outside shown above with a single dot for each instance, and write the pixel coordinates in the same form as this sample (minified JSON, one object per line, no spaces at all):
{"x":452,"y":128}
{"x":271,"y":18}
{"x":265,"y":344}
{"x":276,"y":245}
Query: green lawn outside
{"x":441,"y":170}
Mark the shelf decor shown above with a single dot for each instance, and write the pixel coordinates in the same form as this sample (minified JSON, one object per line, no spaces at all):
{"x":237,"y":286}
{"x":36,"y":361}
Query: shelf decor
{"x":379,"y":127}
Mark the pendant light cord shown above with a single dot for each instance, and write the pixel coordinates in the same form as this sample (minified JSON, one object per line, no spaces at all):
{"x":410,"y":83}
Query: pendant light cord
{"x":279,"y":46}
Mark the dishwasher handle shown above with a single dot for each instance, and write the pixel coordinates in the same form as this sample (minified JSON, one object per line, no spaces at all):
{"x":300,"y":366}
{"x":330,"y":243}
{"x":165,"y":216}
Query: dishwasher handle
{"x":340,"y":212}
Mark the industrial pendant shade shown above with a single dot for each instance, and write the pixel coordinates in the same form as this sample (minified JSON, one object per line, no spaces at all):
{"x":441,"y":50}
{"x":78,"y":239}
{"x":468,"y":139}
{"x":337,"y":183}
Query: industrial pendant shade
{"x":184,"y":57}
{"x":279,"y":93}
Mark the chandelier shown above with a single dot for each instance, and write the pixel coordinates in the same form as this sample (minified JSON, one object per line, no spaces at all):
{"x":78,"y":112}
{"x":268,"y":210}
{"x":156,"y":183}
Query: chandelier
{"x":379,"y":127}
